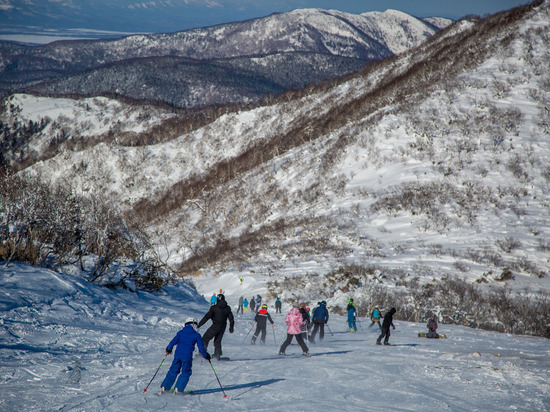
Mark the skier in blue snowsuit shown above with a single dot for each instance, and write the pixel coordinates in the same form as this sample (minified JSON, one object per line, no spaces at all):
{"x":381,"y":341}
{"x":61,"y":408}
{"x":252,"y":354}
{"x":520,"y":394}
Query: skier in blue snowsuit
{"x":186,"y":339}
{"x":352,"y":314}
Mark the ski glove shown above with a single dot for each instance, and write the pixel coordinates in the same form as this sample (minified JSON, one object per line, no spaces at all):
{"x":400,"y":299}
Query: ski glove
{"x":208,"y":357}
{"x":230,"y":330}
{"x":393,"y":326}
{"x":168,"y":352}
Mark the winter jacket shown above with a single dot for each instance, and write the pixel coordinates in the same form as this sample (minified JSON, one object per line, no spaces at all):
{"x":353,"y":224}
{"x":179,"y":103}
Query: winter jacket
{"x":245,"y":303}
{"x":375,"y":314}
{"x":352,"y":313}
{"x":294,"y":320}
{"x":185,"y":341}
{"x":320,"y":314}
{"x":388,"y":319}
{"x":262,"y":317}
{"x":219,"y":313}
{"x":432,"y":325}
{"x":305,"y":314}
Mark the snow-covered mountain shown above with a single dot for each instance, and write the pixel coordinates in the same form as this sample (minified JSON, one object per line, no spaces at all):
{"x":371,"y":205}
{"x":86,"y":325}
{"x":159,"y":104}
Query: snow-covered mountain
{"x":254,"y":58}
{"x":426,"y":166}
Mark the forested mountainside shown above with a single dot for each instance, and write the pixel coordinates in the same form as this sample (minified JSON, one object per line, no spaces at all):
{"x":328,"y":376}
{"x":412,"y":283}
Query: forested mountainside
{"x":254,"y":58}
{"x":426,"y":166}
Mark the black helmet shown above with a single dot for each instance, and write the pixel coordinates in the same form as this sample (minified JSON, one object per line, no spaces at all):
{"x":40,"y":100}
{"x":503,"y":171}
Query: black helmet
{"x":221,"y":296}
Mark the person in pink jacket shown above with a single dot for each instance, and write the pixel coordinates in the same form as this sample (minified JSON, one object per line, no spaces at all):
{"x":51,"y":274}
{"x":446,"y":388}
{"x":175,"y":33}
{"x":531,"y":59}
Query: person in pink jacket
{"x":294,"y":320}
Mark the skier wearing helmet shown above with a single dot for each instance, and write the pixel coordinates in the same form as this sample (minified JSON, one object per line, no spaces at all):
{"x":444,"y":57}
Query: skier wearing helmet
{"x":320,"y":319}
{"x":219,"y":314}
{"x":261,"y":321}
{"x":185,"y":340}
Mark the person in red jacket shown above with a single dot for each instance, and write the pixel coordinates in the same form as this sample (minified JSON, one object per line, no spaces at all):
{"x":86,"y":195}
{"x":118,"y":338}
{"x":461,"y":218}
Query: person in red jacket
{"x":261,"y":322}
{"x":295,"y":321}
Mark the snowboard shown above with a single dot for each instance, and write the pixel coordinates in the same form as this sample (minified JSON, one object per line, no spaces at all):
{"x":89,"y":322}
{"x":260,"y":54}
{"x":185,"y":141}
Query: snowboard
{"x":423,"y":335}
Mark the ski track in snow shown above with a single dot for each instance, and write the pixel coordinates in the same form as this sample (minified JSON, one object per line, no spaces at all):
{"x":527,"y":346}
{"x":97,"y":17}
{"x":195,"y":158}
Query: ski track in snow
{"x":80,"y":347}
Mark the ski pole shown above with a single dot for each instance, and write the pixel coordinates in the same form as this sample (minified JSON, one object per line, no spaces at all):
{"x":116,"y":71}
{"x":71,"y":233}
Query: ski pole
{"x":216,"y":375}
{"x":329,"y":330}
{"x":274,"y":333}
{"x":145,"y":390}
{"x":249,"y":332}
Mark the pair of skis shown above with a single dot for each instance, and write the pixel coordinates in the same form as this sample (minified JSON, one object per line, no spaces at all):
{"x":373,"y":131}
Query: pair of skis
{"x":173,"y":392}
{"x":183,"y":393}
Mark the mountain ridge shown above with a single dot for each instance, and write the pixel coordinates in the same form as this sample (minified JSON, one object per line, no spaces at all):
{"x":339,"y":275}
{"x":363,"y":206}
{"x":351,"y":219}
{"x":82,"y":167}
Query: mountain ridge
{"x":424,"y":166}
{"x":348,"y":41}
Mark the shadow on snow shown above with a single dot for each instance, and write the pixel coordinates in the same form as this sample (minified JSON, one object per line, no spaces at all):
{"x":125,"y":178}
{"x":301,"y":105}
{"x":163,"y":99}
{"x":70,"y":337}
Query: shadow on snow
{"x":251,"y":385}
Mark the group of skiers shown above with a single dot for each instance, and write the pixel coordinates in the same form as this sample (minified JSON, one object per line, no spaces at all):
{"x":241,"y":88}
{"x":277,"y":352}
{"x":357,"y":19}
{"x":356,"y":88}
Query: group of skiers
{"x":298,"y":322}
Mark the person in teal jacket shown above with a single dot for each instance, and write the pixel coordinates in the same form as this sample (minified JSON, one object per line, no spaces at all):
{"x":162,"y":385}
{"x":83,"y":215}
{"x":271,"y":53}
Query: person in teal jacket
{"x":186,"y":339}
{"x":352,"y":315}
{"x":375,"y":317}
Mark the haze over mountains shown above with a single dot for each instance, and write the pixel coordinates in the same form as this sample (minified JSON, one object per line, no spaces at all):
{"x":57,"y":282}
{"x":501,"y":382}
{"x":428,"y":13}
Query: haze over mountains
{"x":237,"y":62}
{"x":425,"y":166}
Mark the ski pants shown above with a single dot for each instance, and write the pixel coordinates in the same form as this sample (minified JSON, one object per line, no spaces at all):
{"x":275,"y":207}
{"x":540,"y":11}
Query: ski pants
{"x":376,"y":321}
{"x":240,"y":308}
{"x":277,"y":309}
{"x":318,"y":326}
{"x":351,"y":324}
{"x":259,"y":329}
{"x":385,"y":333}
{"x":214,"y":332}
{"x":299,"y":339}
{"x":178,"y":364}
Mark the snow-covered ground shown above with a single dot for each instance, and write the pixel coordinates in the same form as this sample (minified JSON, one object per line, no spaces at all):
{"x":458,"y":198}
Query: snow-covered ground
{"x":67,"y":345}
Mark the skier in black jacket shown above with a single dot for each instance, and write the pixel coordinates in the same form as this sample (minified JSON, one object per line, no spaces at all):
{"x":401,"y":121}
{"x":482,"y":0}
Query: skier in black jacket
{"x":320,"y":319}
{"x":388,"y":321}
{"x":219,"y":314}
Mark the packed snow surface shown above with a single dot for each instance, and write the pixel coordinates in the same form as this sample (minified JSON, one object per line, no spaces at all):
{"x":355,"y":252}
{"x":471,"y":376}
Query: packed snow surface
{"x":67,"y":345}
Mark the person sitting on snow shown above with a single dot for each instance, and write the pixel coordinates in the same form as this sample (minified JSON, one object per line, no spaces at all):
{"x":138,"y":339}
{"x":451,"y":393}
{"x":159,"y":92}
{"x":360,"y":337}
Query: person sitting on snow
{"x":432,"y":326}
{"x":185,"y":340}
